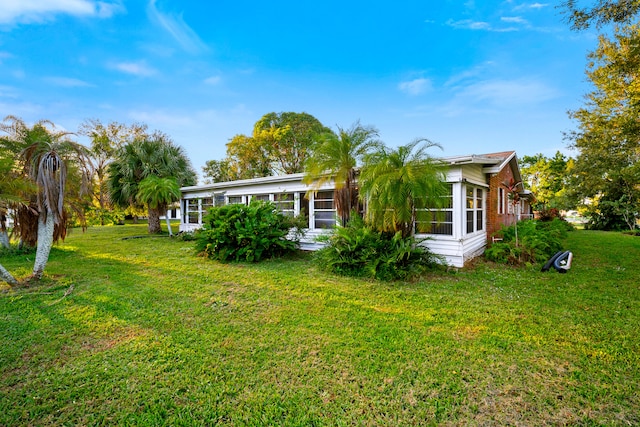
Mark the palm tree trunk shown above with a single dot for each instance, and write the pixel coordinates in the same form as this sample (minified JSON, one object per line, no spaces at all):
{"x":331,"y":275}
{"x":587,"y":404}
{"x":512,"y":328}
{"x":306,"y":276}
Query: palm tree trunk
{"x":168,"y":224}
{"x":45,"y":241}
{"x":4,"y":239}
{"x":7,"y":277}
{"x":154,"y":221}
{"x":4,"y":234}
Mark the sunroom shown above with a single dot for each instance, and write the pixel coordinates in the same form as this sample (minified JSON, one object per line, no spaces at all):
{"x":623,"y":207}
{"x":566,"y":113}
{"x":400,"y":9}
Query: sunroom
{"x":458,"y":232}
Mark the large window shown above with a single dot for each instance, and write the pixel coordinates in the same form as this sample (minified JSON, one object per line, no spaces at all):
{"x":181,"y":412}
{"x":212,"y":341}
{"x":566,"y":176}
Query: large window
{"x":475,"y":209}
{"x":324,"y":210}
{"x":430,"y":220}
{"x":193,"y":211}
{"x":285,"y":203}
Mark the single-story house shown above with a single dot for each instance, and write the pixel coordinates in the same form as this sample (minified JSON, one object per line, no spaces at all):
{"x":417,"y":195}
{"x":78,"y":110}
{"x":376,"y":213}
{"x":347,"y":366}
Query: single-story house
{"x":479,"y":204}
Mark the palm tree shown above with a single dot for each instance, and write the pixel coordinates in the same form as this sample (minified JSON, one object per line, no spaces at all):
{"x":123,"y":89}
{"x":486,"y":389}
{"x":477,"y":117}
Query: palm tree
{"x":155,"y":155}
{"x":335,"y":158}
{"x":47,"y":158}
{"x":393,"y":182}
{"x":49,"y":167}
{"x":157,"y":193}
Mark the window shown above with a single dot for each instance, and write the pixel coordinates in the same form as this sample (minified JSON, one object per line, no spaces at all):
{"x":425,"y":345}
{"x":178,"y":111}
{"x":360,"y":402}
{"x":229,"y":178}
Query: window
{"x":193,"y":211}
{"x":474,"y":209}
{"x":436,"y":221}
{"x":261,"y":197}
{"x":285,"y":203}
{"x":207,"y":203}
{"x":324,"y":210}
{"x":235,"y":200}
{"x":501,"y":201}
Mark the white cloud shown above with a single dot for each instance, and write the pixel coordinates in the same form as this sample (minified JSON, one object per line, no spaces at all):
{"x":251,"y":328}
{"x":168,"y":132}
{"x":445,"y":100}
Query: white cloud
{"x":526,"y":6}
{"x":135,"y":68}
{"x":213,"y":80}
{"x":34,"y":11}
{"x":514,"y":20}
{"x":416,"y":86}
{"x":468,"y":24}
{"x":505,"y":93}
{"x":67,"y":82}
{"x":177,"y":28}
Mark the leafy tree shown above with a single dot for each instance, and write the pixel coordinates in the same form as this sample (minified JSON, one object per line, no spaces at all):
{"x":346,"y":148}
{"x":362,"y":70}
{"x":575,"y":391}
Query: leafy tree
{"x":608,"y":135}
{"x":394,"y":182}
{"x":105,"y":141}
{"x":280,"y":144}
{"x":602,"y":13}
{"x":247,"y":158}
{"x":548,"y":179}
{"x":155,"y":155}
{"x":335,"y":158}
{"x":158,"y":193}
{"x":216,"y":171}
{"x":287,"y":139}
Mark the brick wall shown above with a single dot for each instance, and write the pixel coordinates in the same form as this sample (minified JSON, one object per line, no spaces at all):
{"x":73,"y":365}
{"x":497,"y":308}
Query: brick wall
{"x":495,"y":220}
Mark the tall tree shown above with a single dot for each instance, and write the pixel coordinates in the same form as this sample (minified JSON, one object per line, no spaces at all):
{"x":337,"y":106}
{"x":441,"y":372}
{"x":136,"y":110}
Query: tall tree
{"x":49,"y":163}
{"x":548,"y":179}
{"x":608,"y":135}
{"x":393,"y":183}
{"x":335,"y":158}
{"x":287,"y":138}
{"x":216,"y":171}
{"x":155,"y":155}
{"x":247,"y":158}
{"x":105,"y":141}
{"x":279,"y":144}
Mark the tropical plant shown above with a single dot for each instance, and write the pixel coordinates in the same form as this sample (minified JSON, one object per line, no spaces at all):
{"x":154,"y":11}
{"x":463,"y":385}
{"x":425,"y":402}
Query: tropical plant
{"x":47,"y":158}
{"x":157,"y":193}
{"x":155,"y":155}
{"x":513,"y":194}
{"x":245,"y":233}
{"x":358,"y":250}
{"x":394,"y":182}
{"x":539,"y":240}
{"x":105,"y":141}
{"x":335,"y":159}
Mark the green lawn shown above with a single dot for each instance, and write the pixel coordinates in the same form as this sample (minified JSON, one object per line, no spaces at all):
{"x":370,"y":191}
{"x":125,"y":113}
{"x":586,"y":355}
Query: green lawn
{"x":152,"y":335}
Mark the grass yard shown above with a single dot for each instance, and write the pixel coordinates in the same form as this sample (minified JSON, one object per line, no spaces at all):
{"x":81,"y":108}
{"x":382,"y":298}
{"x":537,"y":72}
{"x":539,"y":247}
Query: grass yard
{"x":151,"y":335}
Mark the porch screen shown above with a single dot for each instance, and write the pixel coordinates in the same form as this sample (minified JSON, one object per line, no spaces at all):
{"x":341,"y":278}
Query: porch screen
{"x":192,"y":216}
{"x":435,"y":221}
{"x":285,"y":203}
{"x":324,"y":210}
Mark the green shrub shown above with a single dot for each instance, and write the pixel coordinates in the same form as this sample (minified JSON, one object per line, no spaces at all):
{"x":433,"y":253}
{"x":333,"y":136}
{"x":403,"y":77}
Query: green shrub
{"x":537,"y":242}
{"x":245,"y":233}
{"x":359,"y":251}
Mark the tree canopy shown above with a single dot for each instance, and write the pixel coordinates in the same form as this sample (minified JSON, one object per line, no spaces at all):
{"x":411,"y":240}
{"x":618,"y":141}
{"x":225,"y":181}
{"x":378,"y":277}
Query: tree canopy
{"x":548,"y":179}
{"x":602,"y":13}
{"x":155,"y":155}
{"x":279,"y":144}
{"x":608,"y":135}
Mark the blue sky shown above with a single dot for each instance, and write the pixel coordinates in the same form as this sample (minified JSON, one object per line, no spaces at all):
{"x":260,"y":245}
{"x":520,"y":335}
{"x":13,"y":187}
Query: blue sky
{"x":475,"y":76}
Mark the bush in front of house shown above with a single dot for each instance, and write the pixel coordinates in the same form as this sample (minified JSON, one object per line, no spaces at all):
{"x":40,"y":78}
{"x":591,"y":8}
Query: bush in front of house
{"x":245,"y":233}
{"x":537,"y":242}
{"x":357,"y":250}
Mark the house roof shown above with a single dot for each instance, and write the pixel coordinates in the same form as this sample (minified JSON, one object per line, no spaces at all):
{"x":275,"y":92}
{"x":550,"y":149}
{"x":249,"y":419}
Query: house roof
{"x":491,"y":162}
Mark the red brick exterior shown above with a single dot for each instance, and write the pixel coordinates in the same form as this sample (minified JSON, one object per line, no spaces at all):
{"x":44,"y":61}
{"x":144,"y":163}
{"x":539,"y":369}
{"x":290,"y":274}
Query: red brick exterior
{"x":495,"y":219}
